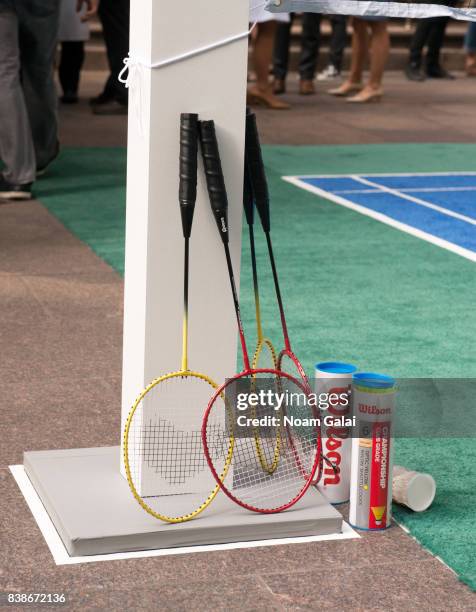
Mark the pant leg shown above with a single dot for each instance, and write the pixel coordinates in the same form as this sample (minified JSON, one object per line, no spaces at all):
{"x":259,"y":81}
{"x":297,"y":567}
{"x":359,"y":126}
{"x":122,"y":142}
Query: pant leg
{"x":281,"y":49}
{"x":16,"y":143}
{"x":338,"y":40}
{"x":38,"y":35}
{"x":114,"y":15}
{"x":71,"y":62}
{"x":435,"y":41}
{"x":470,"y":38}
{"x":311,"y":24}
{"x":419,"y":40}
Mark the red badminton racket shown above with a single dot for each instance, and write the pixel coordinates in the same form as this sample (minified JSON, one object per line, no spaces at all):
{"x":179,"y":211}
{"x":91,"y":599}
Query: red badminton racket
{"x":246,"y":482}
{"x":287,"y":359}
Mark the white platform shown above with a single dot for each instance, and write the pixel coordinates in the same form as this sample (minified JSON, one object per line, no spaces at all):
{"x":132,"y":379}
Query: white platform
{"x":94,"y":513}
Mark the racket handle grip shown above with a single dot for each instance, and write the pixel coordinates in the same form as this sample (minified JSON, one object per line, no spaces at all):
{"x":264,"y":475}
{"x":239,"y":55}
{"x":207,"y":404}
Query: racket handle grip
{"x":259,"y":183}
{"x":248,"y":203}
{"x":214,"y":176}
{"x":188,"y":169}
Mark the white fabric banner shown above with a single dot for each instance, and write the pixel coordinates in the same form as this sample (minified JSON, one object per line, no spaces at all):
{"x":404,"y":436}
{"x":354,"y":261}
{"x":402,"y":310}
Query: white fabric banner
{"x":458,"y":9}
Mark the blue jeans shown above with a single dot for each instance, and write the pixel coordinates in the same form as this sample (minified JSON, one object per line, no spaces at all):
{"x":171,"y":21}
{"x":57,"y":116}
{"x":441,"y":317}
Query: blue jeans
{"x":470,"y":38}
{"x":28,"y":124}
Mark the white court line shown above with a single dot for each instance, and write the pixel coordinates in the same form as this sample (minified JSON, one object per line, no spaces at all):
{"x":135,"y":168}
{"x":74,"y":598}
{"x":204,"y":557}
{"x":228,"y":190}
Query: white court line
{"x":408,"y":190}
{"x":380,"y":174}
{"x":413,"y":199}
{"x":409,"y":533}
{"x":437,"y":189}
{"x":61,"y":556}
{"x":408,"y":229}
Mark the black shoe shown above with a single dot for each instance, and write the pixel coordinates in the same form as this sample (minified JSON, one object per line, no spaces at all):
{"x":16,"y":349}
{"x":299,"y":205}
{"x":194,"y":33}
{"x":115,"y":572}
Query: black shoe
{"x":41,"y":170}
{"x":113,"y":107}
{"x":10,"y":192}
{"x":103,"y":98}
{"x":414,"y":73}
{"x":70,"y":97}
{"x":438,"y":72}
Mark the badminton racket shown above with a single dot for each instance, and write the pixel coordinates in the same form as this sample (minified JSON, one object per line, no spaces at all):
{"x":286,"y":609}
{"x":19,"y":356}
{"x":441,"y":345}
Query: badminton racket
{"x":246,"y":482}
{"x":264,"y":355}
{"x":163,"y":456}
{"x":287,"y":359}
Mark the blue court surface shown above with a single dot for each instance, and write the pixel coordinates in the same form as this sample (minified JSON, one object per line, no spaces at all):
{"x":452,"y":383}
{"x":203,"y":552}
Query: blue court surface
{"x":437,"y":207}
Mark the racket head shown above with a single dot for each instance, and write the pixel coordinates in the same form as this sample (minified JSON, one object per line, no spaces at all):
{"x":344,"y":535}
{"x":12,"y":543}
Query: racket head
{"x":166,"y":469}
{"x":246,"y":482}
{"x":265,"y":357}
{"x":288,"y":362}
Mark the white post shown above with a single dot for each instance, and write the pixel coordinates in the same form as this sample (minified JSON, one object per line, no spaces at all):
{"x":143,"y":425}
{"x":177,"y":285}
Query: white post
{"x":212,"y":84}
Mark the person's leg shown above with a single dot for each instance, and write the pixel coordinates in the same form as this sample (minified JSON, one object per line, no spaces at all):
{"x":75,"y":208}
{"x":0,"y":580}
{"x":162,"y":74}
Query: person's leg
{"x":338,"y":41}
{"x":262,"y":56}
{"x":310,"y":40}
{"x":38,"y":39}
{"x":114,"y":15}
{"x":16,"y":143}
{"x":360,"y":45}
{"x":470,"y":48}
{"x":435,"y":42}
{"x":413,"y":70}
{"x":69,"y":69}
{"x":419,"y":39}
{"x":281,"y":50}
{"x":379,"y":48}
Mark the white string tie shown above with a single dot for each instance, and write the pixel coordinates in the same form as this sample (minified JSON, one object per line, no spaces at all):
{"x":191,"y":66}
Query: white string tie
{"x":132,"y":73}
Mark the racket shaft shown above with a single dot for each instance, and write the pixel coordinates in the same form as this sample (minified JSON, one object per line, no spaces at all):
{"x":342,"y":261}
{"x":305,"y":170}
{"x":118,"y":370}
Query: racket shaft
{"x":219,"y":205}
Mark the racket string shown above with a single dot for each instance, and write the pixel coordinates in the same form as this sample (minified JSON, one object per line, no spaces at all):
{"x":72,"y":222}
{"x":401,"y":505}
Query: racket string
{"x":296,"y":455}
{"x":175,"y":455}
{"x":167,"y":466}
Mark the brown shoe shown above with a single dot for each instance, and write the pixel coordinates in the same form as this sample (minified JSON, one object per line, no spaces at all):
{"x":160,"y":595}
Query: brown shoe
{"x":279,"y":86}
{"x":345,"y":89}
{"x":306,"y":87}
{"x":265,"y":98}
{"x":470,"y":67}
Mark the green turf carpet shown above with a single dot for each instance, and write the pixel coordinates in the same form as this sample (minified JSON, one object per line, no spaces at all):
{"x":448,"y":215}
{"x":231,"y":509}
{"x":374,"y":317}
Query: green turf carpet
{"x":355,"y":290}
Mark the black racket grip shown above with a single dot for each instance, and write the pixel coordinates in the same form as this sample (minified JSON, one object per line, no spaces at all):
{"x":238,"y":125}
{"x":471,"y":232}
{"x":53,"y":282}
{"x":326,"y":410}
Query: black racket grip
{"x":188,"y":169}
{"x":214,"y":176}
{"x":257,"y":173}
{"x":248,"y":203}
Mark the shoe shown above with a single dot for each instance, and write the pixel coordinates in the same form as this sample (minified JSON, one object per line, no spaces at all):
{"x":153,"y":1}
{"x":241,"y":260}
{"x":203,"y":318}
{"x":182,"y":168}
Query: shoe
{"x":69,"y":97}
{"x":279,"y":86}
{"x":41,"y":170}
{"x":10,"y":192}
{"x":113,"y":107}
{"x":103,"y":98}
{"x":306,"y":87}
{"x":345,"y":89}
{"x":438,"y":72}
{"x":413,"y":73}
{"x":366,"y":95}
{"x":264,"y":98}
{"x":328,"y":74}
{"x":470,"y":65}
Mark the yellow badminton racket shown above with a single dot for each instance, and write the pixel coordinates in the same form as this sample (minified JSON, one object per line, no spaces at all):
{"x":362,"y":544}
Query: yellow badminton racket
{"x":164,"y":460}
{"x":264,"y":355}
